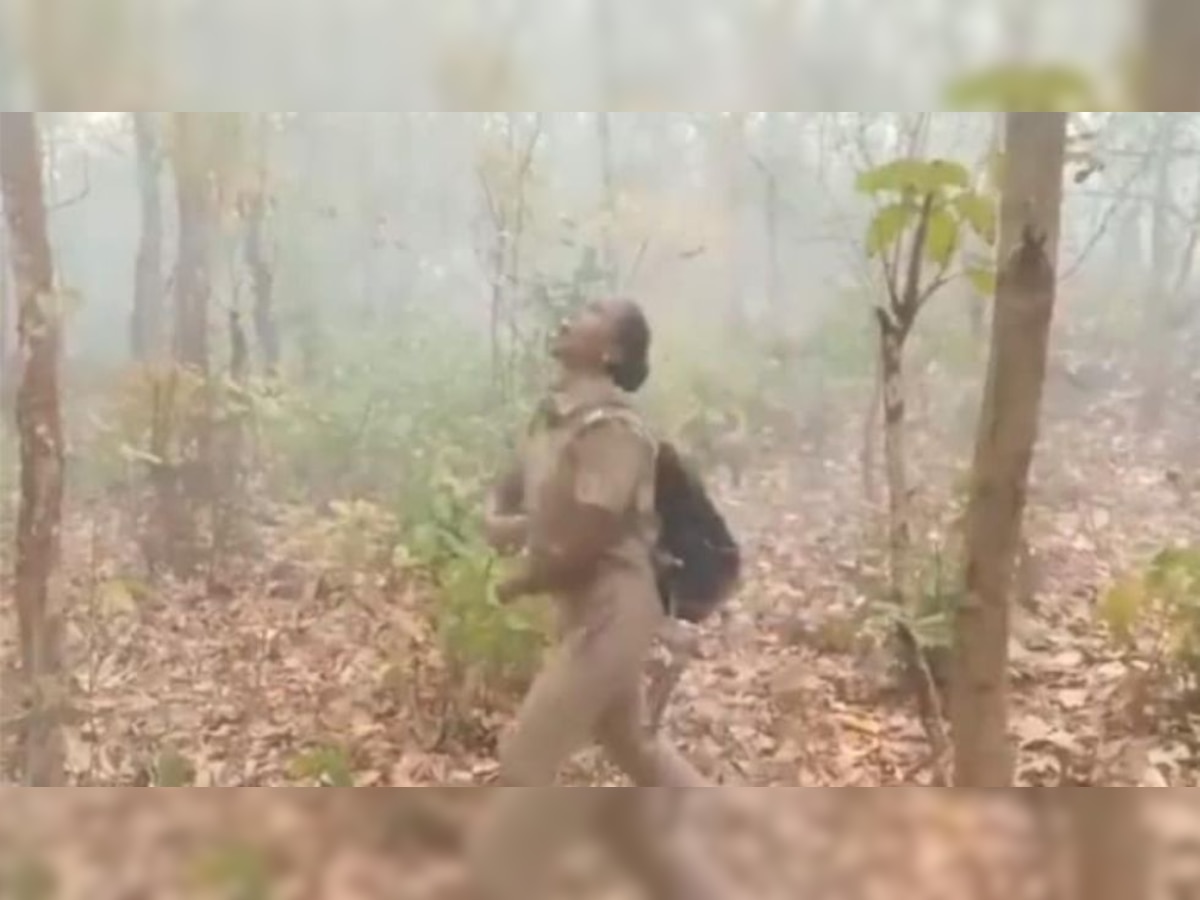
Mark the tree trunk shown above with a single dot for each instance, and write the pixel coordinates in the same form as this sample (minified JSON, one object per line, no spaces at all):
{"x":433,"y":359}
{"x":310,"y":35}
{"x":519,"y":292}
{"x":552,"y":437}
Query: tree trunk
{"x":8,"y":336}
{"x":1157,"y":339}
{"x":497,"y":258}
{"x":771,"y":206}
{"x":196,"y":199}
{"x":262,"y":277}
{"x":1109,"y":843}
{"x":6,"y":323}
{"x":183,"y":482}
{"x":891,"y":361}
{"x":921,"y":679}
{"x":1008,"y":430}
{"x":869,"y":452}
{"x":146,"y":327}
{"x":39,"y":424}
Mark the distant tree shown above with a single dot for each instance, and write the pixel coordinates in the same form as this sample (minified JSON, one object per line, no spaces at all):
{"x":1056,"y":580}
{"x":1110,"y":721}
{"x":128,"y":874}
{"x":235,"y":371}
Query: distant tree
{"x":148,"y":315}
{"x":255,"y":203}
{"x":196,"y":197}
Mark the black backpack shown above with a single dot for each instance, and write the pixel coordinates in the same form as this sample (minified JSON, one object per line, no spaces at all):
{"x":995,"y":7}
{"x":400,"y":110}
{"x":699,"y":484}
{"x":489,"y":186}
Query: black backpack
{"x":699,"y":560}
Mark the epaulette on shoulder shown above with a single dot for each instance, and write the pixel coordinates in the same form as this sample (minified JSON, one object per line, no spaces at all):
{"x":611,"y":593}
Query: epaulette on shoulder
{"x":600,"y":414}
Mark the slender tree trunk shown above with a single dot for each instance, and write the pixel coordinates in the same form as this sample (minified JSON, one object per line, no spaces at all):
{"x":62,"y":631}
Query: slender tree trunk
{"x":496,"y":311}
{"x":870,"y":438}
{"x":921,"y":678}
{"x":771,"y":222}
{"x":146,"y":327}
{"x":39,"y":424}
{"x":894,"y":329}
{"x":6,"y":315}
{"x":8,"y":335}
{"x":184,"y":481}
{"x":197,"y":215}
{"x":891,"y":362}
{"x":262,"y":277}
{"x":1157,"y":338}
{"x":1008,"y":430}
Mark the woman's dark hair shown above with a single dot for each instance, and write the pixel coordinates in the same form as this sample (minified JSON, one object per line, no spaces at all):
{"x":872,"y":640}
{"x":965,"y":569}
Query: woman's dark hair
{"x":632,"y":367}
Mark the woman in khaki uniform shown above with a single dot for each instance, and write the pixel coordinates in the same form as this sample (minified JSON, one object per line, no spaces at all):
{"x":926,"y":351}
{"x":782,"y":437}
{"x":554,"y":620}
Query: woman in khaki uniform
{"x":581,"y":504}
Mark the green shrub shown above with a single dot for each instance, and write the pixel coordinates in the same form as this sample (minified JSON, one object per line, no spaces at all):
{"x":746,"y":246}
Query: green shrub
{"x":1153,"y":614}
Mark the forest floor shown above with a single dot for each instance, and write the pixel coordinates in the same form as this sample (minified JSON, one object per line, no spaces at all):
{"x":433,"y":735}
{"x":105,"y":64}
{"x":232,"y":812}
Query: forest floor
{"x":250,"y":681}
{"x":242,"y":676}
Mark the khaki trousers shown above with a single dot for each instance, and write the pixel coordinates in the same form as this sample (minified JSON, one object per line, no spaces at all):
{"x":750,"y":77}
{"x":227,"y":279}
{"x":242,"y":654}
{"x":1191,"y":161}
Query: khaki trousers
{"x":590,"y":691}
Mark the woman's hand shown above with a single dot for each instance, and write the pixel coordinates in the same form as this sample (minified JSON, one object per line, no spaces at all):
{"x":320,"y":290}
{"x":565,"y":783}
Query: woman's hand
{"x":505,"y":533}
{"x":512,"y":589}
{"x":505,"y":526}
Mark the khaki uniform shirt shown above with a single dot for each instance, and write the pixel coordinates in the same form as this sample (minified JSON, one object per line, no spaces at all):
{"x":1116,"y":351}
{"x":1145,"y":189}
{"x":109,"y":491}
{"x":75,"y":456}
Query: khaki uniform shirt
{"x":588,"y":447}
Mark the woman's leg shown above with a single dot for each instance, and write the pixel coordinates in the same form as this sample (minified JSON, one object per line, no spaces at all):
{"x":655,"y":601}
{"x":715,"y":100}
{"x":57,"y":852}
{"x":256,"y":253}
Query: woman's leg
{"x":522,"y":833}
{"x":531,"y":820}
{"x":643,"y":840}
{"x":644,"y":755}
{"x":647,"y":845}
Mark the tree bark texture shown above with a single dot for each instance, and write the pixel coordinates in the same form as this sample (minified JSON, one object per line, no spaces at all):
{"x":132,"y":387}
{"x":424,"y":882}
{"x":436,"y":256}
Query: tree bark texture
{"x":1005,"y":442}
{"x":39,"y":424}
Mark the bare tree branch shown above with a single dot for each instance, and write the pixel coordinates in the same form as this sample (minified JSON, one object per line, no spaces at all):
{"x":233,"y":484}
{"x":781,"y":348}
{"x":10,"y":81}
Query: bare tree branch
{"x":78,"y":196}
{"x":1123,"y":194}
